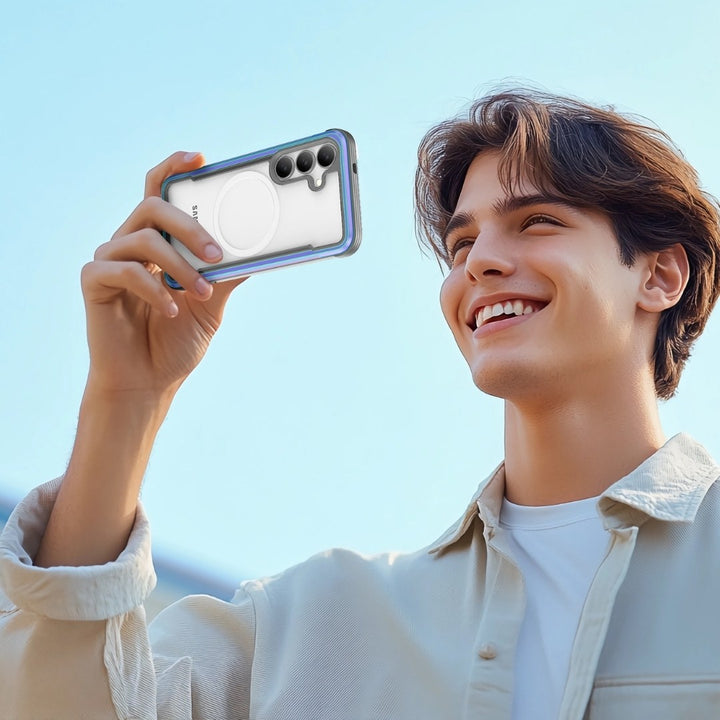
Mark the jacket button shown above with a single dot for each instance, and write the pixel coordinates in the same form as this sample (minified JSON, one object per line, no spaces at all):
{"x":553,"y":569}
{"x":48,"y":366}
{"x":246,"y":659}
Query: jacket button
{"x":487,"y":651}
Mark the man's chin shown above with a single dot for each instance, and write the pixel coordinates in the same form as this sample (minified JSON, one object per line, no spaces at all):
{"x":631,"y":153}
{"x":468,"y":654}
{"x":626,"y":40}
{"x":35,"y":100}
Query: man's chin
{"x":512,"y":381}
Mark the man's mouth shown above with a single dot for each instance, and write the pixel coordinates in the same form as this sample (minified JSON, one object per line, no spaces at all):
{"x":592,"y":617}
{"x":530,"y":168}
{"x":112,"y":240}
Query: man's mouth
{"x":502,"y":310}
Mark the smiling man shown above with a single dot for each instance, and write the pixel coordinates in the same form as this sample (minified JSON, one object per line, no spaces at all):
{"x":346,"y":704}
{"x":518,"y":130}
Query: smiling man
{"x":583,"y":264}
{"x":581,"y":580}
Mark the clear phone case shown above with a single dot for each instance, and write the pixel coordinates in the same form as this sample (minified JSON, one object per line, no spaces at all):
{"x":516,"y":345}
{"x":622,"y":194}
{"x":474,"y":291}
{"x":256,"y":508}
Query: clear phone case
{"x":284,"y":205}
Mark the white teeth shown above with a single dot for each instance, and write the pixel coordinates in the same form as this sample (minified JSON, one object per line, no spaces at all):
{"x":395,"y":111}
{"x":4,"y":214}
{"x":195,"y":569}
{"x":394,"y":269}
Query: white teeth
{"x":509,"y":307}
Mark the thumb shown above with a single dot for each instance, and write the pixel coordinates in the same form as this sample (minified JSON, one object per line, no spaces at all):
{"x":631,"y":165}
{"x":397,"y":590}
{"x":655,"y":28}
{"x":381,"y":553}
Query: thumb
{"x":176,"y":163}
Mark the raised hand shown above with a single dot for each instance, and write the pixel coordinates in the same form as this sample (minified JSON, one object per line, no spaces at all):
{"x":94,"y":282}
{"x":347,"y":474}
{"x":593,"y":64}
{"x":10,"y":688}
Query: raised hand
{"x":144,"y":336}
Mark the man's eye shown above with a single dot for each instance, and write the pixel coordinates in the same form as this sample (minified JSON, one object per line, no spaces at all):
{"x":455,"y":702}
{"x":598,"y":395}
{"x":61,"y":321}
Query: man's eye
{"x":535,"y":219}
{"x":458,"y":247}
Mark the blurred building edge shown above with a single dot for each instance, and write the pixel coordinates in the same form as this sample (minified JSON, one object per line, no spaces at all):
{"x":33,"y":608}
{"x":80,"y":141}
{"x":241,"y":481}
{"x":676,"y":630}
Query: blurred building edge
{"x":175,"y":579}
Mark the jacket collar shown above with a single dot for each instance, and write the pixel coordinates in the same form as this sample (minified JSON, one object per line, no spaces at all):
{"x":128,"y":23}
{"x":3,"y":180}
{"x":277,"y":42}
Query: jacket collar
{"x":668,"y":486}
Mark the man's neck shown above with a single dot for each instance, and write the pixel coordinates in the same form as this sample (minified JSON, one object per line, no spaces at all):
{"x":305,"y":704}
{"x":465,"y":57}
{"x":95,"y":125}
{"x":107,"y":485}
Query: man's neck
{"x":563,"y":452}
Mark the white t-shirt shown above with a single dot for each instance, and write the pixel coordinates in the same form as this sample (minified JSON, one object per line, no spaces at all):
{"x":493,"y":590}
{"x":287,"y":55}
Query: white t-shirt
{"x":558,"y":549}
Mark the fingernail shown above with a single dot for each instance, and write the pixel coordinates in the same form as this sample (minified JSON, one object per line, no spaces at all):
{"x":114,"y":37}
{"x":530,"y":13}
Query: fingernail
{"x":173,"y":309}
{"x":212,"y":252}
{"x":203,"y":286}
{"x":191,"y":156}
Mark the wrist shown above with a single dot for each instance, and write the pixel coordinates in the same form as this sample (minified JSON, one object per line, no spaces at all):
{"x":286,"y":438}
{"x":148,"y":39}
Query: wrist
{"x":139,"y":408}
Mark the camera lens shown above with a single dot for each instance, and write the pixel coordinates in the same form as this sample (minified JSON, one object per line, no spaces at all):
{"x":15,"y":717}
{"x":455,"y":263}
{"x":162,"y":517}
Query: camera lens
{"x":284,"y":166}
{"x":326,"y":155}
{"x":305,"y":161}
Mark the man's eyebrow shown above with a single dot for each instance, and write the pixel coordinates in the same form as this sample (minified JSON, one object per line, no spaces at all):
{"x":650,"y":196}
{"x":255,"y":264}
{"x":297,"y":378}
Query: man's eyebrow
{"x":517,"y":202}
{"x":503,"y":207}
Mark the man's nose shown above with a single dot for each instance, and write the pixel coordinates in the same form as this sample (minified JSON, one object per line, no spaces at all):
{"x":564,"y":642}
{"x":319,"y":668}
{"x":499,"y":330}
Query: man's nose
{"x":490,"y":255}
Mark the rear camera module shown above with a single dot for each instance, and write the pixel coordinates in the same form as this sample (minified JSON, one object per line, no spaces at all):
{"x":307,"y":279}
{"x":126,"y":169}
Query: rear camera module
{"x":305,"y":161}
{"x":284,"y":166}
{"x":326,"y":155}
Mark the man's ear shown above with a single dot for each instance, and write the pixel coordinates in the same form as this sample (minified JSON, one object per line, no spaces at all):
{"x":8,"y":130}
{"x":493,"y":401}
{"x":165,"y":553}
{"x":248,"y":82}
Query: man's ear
{"x":667,"y":276}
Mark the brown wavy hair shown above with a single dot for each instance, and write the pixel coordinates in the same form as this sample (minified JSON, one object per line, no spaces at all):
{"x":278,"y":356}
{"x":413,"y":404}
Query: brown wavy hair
{"x":592,"y":157}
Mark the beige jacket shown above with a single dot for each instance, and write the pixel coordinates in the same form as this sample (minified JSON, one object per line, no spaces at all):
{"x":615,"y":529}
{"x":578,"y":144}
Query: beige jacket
{"x":402,"y":636}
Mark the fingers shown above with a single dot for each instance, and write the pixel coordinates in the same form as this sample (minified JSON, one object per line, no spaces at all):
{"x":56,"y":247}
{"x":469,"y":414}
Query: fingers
{"x":147,"y":246}
{"x":102,"y":281}
{"x":132,"y":260}
{"x":156,"y":213}
{"x":177,"y":162}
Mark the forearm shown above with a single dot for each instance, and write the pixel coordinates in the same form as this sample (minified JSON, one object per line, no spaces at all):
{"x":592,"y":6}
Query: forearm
{"x":95,"y":509}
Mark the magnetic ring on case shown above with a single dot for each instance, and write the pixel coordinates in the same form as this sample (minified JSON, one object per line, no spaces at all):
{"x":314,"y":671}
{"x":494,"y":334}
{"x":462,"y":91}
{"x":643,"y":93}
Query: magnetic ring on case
{"x":246,"y":213}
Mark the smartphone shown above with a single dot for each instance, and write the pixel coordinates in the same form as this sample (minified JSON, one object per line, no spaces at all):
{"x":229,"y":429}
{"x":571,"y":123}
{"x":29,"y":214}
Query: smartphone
{"x":284,"y":205}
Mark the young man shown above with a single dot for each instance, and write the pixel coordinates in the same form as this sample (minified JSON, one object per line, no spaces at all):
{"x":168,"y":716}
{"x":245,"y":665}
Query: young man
{"x":581,"y":580}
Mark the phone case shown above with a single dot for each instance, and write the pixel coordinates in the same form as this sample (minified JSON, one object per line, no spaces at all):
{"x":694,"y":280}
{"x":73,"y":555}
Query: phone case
{"x":284,"y":205}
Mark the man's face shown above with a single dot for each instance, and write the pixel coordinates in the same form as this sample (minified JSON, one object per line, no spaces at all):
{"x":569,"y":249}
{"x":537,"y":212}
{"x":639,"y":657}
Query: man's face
{"x":537,"y":298}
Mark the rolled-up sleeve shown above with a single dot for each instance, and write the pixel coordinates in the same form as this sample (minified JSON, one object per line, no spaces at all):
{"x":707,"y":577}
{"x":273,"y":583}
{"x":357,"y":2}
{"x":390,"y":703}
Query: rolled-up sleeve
{"x":74,"y":641}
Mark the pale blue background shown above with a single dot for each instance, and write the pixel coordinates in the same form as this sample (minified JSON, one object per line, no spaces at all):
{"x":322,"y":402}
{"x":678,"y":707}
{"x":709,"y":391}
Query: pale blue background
{"x":333,"y":408}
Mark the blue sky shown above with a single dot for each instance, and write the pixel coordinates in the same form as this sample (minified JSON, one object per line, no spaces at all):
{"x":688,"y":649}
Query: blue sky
{"x":333,"y":408}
